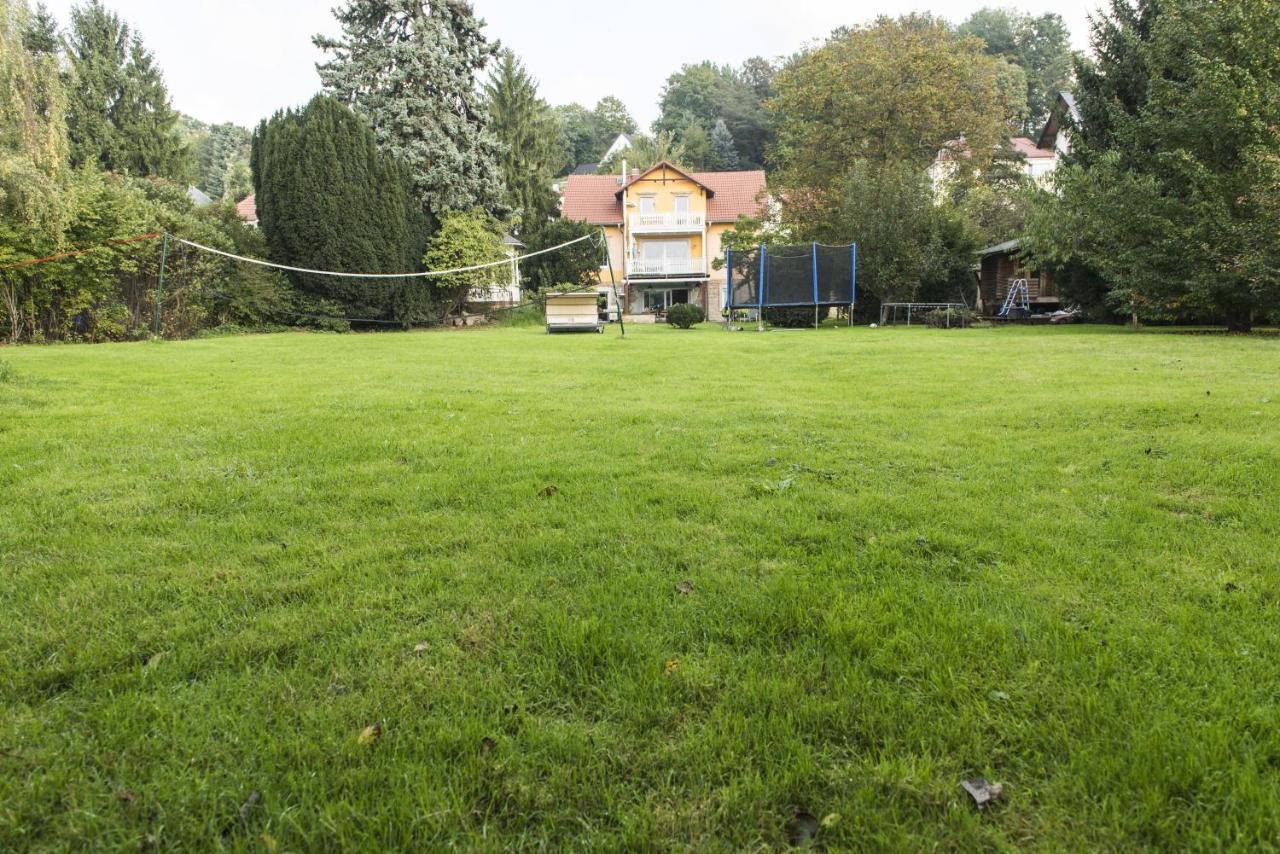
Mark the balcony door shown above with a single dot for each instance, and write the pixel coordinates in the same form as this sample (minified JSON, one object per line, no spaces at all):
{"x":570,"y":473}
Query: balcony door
{"x":666,"y":257}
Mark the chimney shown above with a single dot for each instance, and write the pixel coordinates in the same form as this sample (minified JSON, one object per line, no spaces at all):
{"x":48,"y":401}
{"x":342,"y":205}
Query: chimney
{"x":635,"y":173}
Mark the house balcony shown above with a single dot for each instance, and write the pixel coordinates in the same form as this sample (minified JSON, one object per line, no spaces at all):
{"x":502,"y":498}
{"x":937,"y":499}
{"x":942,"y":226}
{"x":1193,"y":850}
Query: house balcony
{"x":638,"y":268}
{"x":667,"y":223}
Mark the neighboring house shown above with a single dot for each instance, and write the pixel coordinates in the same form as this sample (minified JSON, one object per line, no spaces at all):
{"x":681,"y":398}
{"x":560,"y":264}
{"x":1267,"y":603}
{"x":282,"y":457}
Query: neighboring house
{"x":505,"y":290}
{"x":1055,"y":136}
{"x":664,"y":228}
{"x":198,"y":198}
{"x":1000,"y":266}
{"x":1042,"y":155}
{"x":247,"y":210}
{"x":620,"y":144}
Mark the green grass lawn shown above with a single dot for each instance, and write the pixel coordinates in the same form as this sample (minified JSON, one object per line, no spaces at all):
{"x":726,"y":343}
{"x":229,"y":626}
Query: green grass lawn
{"x":644,"y":594}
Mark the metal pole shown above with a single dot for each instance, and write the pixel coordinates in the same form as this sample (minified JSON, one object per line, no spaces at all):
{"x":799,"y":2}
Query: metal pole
{"x":814,"y":250}
{"x":728,"y":288}
{"x":613,"y":283}
{"x":164,"y":257}
{"x":764,"y":255}
{"x":853,"y":290}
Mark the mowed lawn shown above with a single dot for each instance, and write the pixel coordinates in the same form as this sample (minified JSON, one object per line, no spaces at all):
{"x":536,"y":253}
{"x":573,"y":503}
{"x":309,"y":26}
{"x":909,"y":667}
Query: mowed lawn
{"x":647,"y":594}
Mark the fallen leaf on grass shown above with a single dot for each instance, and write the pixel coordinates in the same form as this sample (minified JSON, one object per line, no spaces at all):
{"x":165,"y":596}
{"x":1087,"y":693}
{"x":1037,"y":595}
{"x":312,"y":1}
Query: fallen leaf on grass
{"x":487,"y":746}
{"x":831,"y":820}
{"x":684,"y":588}
{"x":126,"y":796}
{"x":549,"y":491}
{"x":422,"y":647}
{"x":154,"y":660}
{"x":802,"y":828}
{"x":370,"y":734}
{"x":670,"y":666}
{"x":999,"y":696}
{"x":269,"y":842}
{"x":982,"y":792}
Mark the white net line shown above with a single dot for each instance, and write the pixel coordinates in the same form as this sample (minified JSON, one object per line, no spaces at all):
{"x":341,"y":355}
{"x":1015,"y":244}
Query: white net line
{"x":426,"y":275}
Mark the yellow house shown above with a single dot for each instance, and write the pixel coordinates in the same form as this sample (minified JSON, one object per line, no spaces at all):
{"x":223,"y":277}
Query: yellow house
{"x":664,"y":227}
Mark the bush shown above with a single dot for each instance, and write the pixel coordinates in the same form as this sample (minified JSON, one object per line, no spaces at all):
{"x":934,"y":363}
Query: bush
{"x":684,"y":316}
{"x":950,"y":318}
{"x":789,"y":318}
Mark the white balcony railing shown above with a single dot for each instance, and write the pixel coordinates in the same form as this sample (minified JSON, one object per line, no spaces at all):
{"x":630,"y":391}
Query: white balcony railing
{"x":651,"y":223}
{"x":666,"y":267}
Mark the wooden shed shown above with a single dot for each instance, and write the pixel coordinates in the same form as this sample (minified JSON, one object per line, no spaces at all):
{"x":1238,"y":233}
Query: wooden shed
{"x":574,"y":312}
{"x":1003,"y":264}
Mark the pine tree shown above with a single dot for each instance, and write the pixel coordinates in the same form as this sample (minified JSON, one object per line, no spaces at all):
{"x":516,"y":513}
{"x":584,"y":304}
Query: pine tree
{"x":119,"y":115}
{"x":530,"y":136}
{"x":329,"y":200}
{"x":725,"y":152}
{"x":409,"y":68}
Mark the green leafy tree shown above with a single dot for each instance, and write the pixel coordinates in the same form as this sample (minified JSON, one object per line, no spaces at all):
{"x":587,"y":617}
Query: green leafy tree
{"x":118,"y":114}
{"x":579,"y":138}
{"x":702,"y":95}
{"x":576,"y":265}
{"x":1171,"y":195}
{"x":611,"y":118}
{"x":530,"y":137}
{"x":699,"y":152}
{"x":1040,"y":46}
{"x":328,"y":199}
{"x":888,"y":97}
{"x":463,"y":240}
{"x":645,"y":151}
{"x":34,"y":208}
{"x":410,"y":69}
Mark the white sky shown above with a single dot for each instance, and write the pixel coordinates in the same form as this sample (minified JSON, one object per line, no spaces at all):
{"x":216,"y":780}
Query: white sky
{"x":241,"y":60}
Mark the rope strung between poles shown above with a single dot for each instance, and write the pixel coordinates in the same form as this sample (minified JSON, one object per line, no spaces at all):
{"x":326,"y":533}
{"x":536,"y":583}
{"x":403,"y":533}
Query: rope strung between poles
{"x":73,"y":253}
{"x":428,"y":274}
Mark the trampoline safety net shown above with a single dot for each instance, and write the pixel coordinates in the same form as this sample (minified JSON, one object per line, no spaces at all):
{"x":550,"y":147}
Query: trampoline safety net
{"x":786,"y":276}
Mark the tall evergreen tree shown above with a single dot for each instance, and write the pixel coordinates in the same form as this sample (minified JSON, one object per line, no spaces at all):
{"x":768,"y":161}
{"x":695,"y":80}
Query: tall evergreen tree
{"x":328,"y":199}
{"x":723,"y":148}
{"x":119,"y":115}
{"x":1040,"y":46}
{"x":410,"y":67}
{"x":530,"y":136}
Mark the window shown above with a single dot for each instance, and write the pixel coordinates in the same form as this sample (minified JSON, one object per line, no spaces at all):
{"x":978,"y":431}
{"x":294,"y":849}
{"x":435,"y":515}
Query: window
{"x":682,"y":205}
{"x":648,"y":205}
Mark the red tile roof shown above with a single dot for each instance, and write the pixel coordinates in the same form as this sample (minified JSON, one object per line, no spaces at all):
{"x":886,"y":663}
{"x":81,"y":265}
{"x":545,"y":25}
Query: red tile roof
{"x":1029,"y":149}
{"x":591,"y":198}
{"x":247,"y":209}
{"x":594,"y":198}
{"x":736,"y":194}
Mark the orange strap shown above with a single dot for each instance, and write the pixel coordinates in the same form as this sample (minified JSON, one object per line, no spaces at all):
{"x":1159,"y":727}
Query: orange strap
{"x":34,"y":261}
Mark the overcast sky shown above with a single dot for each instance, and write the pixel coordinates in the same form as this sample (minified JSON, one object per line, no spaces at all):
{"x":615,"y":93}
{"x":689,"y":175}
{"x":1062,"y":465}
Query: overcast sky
{"x":240,"y":60}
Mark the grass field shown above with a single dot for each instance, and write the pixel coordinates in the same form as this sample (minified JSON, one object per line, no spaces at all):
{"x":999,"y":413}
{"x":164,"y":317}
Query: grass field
{"x":644,"y":594}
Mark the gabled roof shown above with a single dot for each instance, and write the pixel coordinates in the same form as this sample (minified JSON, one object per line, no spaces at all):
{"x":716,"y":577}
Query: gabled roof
{"x":247,"y":209}
{"x":597,"y":199}
{"x":198,"y":197}
{"x":665,"y":165}
{"x":586,"y":169}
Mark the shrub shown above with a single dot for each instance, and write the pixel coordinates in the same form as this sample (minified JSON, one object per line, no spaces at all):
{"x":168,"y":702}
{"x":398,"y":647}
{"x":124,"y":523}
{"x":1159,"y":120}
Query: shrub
{"x":789,"y":318}
{"x":684,"y":316}
{"x":950,"y":318}
{"x":529,"y":314}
